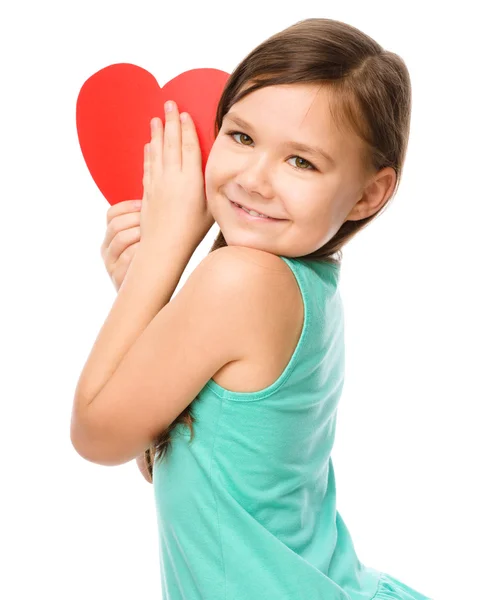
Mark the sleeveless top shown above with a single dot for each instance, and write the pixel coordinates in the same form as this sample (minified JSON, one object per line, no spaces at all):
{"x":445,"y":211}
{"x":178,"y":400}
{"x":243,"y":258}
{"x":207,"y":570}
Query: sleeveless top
{"x":247,"y":508}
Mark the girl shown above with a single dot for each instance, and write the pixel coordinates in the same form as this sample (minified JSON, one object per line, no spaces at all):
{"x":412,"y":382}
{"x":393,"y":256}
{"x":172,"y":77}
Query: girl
{"x":312,"y":130}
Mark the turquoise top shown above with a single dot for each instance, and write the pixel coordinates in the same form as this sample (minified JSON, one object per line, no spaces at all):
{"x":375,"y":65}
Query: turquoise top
{"x":247,"y":509}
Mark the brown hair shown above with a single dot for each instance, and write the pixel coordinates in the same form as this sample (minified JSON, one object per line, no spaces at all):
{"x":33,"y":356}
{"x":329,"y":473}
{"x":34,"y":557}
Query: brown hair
{"x":371,"y":95}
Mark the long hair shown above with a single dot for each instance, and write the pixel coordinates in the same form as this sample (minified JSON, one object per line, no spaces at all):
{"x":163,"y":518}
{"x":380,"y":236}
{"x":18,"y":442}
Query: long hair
{"x":370,"y":96}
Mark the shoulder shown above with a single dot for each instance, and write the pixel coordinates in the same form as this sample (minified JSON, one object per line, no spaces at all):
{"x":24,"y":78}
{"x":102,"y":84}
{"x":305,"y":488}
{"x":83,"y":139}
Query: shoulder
{"x":250,"y":301}
{"x":250,"y":283}
{"x":238,"y":268}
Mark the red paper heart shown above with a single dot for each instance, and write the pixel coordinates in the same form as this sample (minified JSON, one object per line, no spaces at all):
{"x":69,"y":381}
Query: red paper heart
{"x":113,"y":112}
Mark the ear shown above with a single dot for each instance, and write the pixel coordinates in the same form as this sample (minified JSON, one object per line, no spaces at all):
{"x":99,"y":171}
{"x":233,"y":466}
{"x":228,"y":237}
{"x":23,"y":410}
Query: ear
{"x":375,"y":195}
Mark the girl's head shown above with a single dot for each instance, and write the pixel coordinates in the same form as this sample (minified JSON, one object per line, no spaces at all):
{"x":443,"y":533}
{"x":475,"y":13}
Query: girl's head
{"x":324,"y":84}
{"x":320,"y":83}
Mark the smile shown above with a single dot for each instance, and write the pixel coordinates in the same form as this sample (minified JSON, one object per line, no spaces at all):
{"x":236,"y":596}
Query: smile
{"x":253,"y":215}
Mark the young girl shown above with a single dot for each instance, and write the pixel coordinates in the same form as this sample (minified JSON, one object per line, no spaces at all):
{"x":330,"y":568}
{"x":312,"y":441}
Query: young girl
{"x":312,"y":130}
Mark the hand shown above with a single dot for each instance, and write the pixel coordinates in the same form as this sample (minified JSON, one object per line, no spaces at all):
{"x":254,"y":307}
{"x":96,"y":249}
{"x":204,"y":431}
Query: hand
{"x":121,"y":240}
{"x":174,"y":208}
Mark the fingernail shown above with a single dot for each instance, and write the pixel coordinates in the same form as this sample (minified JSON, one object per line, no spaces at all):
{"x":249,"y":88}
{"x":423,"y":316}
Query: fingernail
{"x":168,"y":106}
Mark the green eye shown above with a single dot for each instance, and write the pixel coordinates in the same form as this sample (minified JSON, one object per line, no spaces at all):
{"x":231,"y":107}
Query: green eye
{"x":305,"y":161}
{"x":231,"y":134}
{"x":241,"y":134}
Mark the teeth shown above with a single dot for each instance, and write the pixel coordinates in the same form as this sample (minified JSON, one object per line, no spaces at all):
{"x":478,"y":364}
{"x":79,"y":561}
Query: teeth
{"x":255,"y":214}
{"x":252,"y":212}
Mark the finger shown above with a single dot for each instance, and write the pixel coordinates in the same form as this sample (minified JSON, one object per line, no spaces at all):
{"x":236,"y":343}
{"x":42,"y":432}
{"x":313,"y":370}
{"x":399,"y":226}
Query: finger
{"x":129,"y":252}
{"x":118,"y":224}
{"x":118,"y":268}
{"x":147,"y":157}
{"x":191,"y":154}
{"x":156,"y":143}
{"x":146,"y":168}
{"x":121,"y":241}
{"x":121,"y":208}
{"x":172,"y":139}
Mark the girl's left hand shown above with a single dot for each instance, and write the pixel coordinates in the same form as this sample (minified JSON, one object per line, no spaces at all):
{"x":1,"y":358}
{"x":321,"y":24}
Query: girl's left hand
{"x":174,"y":208}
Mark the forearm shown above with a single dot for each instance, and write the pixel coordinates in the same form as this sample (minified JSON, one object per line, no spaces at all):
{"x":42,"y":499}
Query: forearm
{"x":141,"y":460}
{"x":148,"y":286}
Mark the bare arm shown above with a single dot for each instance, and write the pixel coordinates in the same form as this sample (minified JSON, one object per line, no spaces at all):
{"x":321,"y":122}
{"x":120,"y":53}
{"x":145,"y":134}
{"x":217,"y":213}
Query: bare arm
{"x":125,"y":216}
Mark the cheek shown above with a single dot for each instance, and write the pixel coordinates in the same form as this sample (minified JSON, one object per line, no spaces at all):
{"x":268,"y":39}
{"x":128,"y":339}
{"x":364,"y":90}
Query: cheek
{"x":213,"y":163}
{"x":315,"y":216}
{"x":213,"y":180}
{"x":215,"y":171}
{"x":211,"y":184}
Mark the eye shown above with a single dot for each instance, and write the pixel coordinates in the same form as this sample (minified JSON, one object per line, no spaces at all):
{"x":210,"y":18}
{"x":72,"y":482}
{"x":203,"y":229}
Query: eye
{"x":231,"y":134}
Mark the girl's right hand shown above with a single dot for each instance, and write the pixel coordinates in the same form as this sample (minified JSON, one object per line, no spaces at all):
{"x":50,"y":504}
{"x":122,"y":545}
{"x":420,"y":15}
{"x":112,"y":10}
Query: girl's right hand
{"x":121,"y":240}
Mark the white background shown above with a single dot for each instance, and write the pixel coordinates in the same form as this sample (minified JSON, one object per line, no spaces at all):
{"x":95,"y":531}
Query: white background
{"x":410,"y":446}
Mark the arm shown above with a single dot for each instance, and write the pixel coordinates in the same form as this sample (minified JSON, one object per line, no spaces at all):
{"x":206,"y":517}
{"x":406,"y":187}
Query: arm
{"x":165,"y":369}
{"x":148,"y":285}
{"x":143,"y":461}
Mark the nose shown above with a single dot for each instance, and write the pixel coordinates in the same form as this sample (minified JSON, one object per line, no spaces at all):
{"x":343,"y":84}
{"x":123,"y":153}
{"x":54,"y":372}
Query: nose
{"x":253,"y":178}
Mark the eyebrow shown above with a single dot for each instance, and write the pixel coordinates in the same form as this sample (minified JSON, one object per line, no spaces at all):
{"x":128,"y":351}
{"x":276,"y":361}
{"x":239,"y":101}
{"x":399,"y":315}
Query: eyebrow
{"x":296,"y":145}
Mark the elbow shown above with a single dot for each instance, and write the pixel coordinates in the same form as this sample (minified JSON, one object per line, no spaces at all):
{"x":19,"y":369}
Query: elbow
{"x":88,"y":447}
{"x":86,"y":452}
{"x":82,"y":448}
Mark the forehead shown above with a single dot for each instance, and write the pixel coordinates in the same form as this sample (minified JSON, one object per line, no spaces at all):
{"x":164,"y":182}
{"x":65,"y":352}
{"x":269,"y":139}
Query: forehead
{"x":297,"y":104}
{"x":298,"y":112}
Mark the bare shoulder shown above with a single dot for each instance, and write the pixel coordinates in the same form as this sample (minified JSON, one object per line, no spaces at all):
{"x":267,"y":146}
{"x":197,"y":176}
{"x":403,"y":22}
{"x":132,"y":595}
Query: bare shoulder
{"x":258,"y":258}
{"x":253,"y":270}
{"x":241,"y":280}
{"x":267,"y":302}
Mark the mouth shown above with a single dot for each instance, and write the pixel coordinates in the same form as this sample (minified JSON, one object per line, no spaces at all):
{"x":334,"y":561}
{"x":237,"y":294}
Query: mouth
{"x":252,"y":213}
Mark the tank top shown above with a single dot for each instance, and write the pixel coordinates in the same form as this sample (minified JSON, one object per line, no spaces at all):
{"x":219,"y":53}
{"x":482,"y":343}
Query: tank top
{"x":246,"y":509}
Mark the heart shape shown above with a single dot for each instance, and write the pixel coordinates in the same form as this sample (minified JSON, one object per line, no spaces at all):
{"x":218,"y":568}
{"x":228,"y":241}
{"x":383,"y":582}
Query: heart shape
{"x":113,"y":112}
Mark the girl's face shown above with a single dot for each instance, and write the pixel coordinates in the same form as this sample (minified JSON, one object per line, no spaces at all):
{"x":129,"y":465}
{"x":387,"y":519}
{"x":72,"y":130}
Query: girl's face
{"x":257,"y":167}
